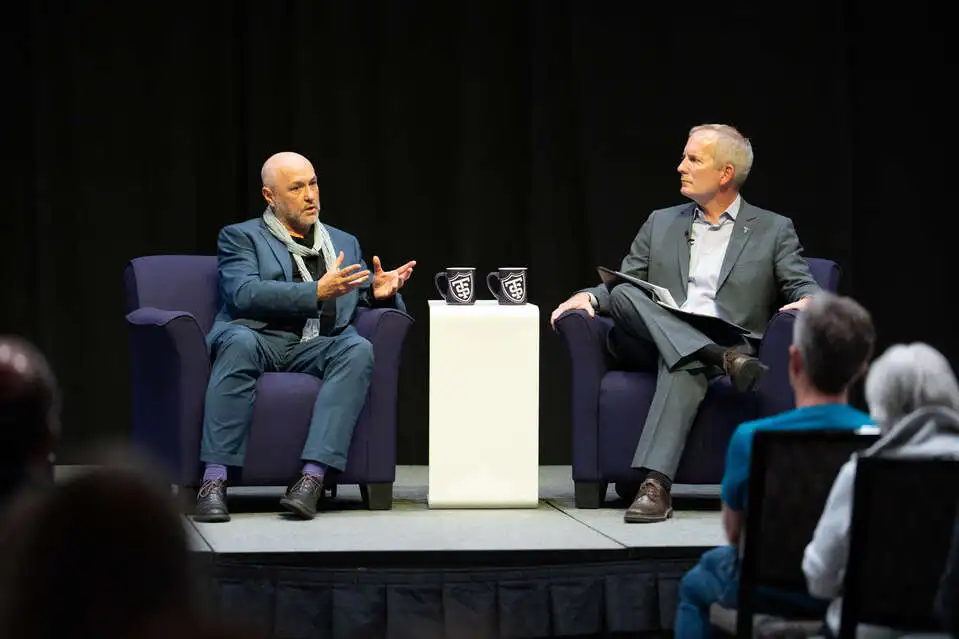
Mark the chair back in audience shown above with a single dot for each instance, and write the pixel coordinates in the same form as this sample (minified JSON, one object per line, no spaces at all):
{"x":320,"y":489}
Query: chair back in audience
{"x":791,"y":474}
{"x":902,"y":517}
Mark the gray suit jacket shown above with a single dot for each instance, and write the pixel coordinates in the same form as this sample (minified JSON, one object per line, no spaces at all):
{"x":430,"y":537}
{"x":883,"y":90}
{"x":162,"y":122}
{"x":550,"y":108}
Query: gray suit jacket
{"x":763,"y":263}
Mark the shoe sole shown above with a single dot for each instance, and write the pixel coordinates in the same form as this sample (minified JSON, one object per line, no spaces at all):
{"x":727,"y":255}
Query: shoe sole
{"x":297,"y":509}
{"x":646,"y":519}
{"x":748,"y":379}
{"x":212,"y":519}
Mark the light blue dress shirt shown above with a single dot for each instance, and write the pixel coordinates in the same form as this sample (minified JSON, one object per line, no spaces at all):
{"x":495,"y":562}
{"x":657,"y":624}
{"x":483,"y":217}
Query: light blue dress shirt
{"x":707,"y":251}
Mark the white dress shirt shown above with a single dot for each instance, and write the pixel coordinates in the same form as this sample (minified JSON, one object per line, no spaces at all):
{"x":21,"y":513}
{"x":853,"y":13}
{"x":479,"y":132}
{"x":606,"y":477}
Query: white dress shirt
{"x":707,"y":251}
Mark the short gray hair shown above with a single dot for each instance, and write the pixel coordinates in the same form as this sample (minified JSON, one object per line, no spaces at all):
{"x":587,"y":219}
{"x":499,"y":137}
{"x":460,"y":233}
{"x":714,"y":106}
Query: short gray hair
{"x":731,"y":148}
{"x":907,"y":377}
{"x":835,"y":337}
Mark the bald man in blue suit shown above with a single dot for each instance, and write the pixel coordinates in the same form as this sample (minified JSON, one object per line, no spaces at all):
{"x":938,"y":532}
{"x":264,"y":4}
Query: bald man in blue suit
{"x":287,"y":305}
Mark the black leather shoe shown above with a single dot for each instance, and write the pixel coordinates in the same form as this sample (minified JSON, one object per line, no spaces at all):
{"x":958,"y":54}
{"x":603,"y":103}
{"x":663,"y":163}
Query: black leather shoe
{"x":745,"y":371}
{"x":211,"y":502}
{"x":301,"y":498}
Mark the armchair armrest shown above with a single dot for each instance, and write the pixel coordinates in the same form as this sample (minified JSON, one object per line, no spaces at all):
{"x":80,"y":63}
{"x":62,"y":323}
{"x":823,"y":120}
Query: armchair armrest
{"x":585,"y":340}
{"x":386,"y":329}
{"x":170,"y":368}
{"x":775,"y":393}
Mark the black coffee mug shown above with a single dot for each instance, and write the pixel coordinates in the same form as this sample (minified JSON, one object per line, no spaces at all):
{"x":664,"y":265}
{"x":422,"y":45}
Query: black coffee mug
{"x":456,"y":284}
{"x":508,"y":285}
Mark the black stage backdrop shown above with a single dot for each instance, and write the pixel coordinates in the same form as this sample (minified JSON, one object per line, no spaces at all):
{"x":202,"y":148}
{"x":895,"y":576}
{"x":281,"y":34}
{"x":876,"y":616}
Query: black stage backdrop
{"x":479,"y":133}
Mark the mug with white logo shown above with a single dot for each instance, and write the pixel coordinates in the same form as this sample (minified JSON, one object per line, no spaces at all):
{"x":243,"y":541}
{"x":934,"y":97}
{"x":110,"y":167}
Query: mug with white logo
{"x":456,"y":284}
{"x":508,"y":284}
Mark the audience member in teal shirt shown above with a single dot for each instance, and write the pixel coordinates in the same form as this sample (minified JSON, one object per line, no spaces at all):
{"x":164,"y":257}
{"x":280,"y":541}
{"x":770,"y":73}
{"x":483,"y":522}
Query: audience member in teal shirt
{"x":833,"y":341}
{"x":735,"y":485}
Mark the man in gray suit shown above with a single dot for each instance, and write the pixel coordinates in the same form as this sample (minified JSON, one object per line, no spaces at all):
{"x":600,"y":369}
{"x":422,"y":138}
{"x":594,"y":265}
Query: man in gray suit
{"x":718,"y":256}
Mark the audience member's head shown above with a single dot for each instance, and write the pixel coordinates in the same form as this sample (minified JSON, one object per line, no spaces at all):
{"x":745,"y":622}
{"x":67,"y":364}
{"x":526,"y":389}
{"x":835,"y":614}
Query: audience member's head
{"x":29,"y":414}
{"x":102,"y":555}
{"x":907,"y":377}
{"x":833,"y":340}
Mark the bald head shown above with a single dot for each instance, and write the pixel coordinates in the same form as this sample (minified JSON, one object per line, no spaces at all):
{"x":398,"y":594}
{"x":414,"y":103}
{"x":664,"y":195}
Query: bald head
{"x":29,"y":406}
{"x":290,"y":188}
{"x":280,"y":163}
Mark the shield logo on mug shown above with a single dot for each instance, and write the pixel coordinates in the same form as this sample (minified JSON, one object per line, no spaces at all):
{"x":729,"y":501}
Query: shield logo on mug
{"x":461,"y":286}
{"x":514,"y":286}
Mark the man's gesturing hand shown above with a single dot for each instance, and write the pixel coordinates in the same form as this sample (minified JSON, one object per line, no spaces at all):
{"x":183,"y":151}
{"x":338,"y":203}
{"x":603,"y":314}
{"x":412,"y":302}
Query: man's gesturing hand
{"x":339,"y":281}
{"x":580,"y":301}
{"x":387,"y":283}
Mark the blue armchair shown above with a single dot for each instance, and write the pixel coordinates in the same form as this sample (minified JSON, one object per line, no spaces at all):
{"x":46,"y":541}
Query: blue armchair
{"x":609,"y":406}
{"x":171,"y":301}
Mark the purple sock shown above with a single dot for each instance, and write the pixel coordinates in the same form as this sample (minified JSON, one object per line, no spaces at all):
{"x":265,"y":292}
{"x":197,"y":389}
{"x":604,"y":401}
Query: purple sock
{"x":313,"y":468}
{"x":214,"y":471}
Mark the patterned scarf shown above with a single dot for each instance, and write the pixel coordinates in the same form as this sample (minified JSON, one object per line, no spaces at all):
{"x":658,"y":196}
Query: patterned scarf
{"x":322,"y":245}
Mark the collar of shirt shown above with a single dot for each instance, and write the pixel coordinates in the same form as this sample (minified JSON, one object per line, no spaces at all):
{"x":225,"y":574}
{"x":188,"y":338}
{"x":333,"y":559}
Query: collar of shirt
{"x":730,"y":213}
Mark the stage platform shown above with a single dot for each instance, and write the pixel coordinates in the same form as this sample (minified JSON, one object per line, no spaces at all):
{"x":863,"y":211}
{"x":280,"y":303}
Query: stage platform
{"x":414,"y":572}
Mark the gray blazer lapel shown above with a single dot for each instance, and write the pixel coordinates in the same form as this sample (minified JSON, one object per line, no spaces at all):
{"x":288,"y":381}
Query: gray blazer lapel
{"x":281,"y":253}
{"x":679,"y":231}
{"x":742,"y":231}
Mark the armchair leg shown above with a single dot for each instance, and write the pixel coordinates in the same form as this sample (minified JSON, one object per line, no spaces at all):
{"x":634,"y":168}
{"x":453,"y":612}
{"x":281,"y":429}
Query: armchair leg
{"x":590,"y":494}
{"x":377,"y":496}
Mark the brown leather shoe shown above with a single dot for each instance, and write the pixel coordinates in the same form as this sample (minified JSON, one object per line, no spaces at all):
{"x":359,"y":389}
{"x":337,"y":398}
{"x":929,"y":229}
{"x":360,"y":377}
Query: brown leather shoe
{"x":745,"y":371}
{"x":652,"y":503}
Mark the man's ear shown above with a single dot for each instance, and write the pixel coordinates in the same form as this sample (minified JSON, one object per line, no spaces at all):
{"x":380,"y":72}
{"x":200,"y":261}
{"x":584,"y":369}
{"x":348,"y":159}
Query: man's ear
{"x":795,"y":360}
{"x":267,"y":195}
{"x":728,"y":173}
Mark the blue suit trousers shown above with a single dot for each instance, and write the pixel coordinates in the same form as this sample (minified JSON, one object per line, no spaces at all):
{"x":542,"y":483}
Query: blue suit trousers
{"x":241,"y":354}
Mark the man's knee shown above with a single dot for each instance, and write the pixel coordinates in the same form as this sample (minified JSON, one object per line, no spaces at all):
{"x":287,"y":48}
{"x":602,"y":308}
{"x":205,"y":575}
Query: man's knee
{"x":619,"y":300}
{"x":359,"y":353}
{"x":238,"y":341}
{"x":692,"y":586}
{"x":626,"y":303}
{"x":704,"y":584}
{"x":719,"y":560}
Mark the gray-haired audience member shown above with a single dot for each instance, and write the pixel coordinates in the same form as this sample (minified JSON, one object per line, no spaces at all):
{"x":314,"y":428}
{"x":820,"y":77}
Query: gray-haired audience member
{"x":914,"y":397}
{"x":29,"y":416}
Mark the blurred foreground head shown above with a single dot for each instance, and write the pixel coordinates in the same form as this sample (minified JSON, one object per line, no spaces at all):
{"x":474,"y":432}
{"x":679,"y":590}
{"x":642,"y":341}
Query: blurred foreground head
{"x":102,"y":555}
{"x":29,"y":414}
{"x":105,"y":554}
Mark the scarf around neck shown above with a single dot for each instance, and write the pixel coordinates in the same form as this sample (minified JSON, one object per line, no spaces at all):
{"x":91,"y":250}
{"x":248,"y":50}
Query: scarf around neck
{"x":322,"y":245}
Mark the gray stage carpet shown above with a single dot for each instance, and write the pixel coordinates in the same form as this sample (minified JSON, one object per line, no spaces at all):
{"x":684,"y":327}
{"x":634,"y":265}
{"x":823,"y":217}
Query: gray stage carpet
{"x":259,"y":525}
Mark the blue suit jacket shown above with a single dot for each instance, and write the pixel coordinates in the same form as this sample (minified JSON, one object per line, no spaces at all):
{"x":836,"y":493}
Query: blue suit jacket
{"x":256,"y":280}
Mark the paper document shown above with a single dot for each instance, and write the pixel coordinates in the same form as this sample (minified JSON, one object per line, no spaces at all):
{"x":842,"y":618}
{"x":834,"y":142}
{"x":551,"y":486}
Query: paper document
{"x":660,"y":294}
{"x":715,"y":327}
